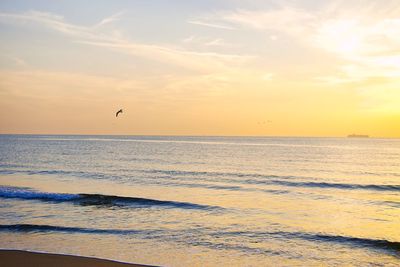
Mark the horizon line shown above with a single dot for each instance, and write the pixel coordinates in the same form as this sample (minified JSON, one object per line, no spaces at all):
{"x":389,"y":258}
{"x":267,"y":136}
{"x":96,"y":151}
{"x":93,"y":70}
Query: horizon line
{"x":181,"y":135}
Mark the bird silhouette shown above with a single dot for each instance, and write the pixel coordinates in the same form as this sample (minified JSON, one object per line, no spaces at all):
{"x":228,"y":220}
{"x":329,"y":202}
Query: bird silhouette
{"x":118,"y":112}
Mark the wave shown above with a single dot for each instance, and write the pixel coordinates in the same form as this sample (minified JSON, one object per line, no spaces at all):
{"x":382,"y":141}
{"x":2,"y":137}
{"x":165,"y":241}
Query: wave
{"x":341,"y":186}
{"x":278,"y":180}
{"x":317,"y":237}
{"x":215,"y":173}
{"x":169,"y":173}
{"x":375,"y":187}
{"x":231,"y":184}
{"x":94,"y":199}
{"x":265,"y":236}
{"x":379,"y":243}
{"x":64,"y":229}
{"x":365,"y":242}
{"x":83,"y":174}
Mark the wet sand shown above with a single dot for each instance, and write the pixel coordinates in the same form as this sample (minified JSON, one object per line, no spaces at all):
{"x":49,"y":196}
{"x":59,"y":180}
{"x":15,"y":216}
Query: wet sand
{"x":19,"y":258}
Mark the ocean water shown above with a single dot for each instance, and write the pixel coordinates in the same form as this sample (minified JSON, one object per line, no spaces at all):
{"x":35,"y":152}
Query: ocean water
{"x":203,"y":201}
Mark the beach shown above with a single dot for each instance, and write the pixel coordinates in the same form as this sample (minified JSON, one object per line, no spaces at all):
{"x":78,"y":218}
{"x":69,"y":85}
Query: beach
{"x":200,"y":133}
{"x":20,"y":258}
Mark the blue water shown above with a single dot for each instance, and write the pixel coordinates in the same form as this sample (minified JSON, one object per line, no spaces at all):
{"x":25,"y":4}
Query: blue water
{"x":203,"y":201}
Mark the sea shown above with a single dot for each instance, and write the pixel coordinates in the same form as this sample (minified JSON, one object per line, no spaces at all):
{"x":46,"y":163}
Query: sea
{"x":203,"y":201}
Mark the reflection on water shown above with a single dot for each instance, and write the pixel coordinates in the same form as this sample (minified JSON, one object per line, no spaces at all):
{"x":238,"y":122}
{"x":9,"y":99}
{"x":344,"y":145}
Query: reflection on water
{"x":206,"y":201}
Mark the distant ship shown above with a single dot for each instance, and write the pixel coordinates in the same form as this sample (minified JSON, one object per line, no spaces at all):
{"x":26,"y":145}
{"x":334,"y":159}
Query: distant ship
{"x":358,"y":136}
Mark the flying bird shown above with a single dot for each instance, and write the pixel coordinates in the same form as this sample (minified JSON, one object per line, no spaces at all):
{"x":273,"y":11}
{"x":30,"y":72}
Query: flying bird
{"x":118,"y":112}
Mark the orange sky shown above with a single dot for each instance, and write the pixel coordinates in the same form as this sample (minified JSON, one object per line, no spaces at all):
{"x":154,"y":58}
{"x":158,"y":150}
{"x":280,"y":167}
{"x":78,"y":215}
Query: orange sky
{"x":217,"y":68}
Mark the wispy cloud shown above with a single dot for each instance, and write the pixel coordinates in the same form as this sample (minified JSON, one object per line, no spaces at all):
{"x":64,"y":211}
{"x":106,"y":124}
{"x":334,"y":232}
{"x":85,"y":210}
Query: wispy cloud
{"x":366,"y":39}
{"x":217,"y":42}
{"x":16,"y":61}
{"x":110,"y":19}
{"x":52,"y":84}
{"x":287,"y":19}
{"x":210,"y":24}
{"x":370,"y":48}
{"x":205,"y":41}
{"x":201,"y":61}
{"x":95,"y":36}
{"x":49,"y":20}
{"x":267,"y":76}
{"x":19,"y":62}
{"x":208,"y":73}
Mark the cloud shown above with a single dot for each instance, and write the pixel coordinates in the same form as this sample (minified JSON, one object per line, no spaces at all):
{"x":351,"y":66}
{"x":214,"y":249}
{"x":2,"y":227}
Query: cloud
{"x":63,"y":86}
{"x":369,"y":48}
{"x":207,"y":42}
{"x":209,"y":24}
{"x":110,"y":19}
{"x":190,"y":39}
{"x":20,"y":62}
{"x":267,"y":76}
{"x":273,"y":37}
{"x":217,"y":42}
{"x":16,"y":61}
{"x":95,"y":36}
{"x":49,"y":20}
{"x":366,"y":38}
{"x":288,"y":20}
{"x":199,"y":61}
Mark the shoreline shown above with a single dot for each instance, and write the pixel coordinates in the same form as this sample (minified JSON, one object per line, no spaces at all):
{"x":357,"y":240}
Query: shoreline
{"x":22,"y":258}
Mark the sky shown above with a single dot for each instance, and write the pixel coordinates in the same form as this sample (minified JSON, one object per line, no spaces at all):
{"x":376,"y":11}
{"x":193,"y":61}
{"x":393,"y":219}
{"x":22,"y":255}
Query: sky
{"x":211,"y":67}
